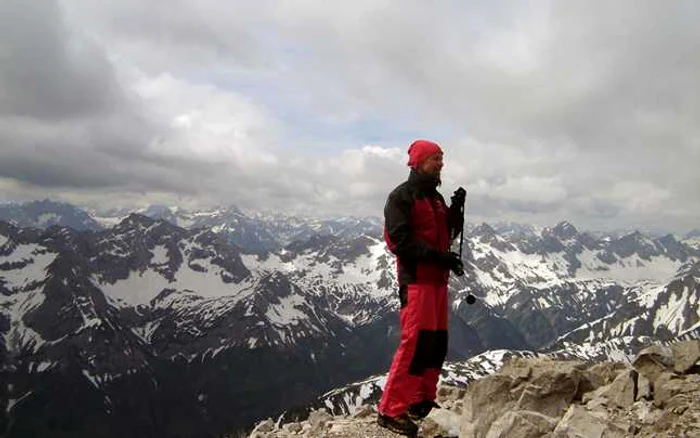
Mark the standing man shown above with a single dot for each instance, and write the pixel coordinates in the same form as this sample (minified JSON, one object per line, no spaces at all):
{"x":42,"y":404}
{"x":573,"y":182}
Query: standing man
{"x":418,"y":229}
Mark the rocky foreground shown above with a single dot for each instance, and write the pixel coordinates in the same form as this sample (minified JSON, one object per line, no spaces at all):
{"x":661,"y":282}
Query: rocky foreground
{"x":657,"y":395}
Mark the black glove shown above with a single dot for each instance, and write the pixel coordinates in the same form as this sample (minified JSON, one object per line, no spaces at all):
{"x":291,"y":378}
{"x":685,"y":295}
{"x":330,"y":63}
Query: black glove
{"x":458,"y":198}
{"x":451,"y":261}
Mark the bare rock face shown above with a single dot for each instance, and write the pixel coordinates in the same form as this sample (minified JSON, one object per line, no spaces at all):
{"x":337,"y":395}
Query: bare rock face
{"x":686,"y":355}
{"x":654,"y":361}
{"x":659,"y":396}
{"x":527,"y":387}
{"x":545,"y":398}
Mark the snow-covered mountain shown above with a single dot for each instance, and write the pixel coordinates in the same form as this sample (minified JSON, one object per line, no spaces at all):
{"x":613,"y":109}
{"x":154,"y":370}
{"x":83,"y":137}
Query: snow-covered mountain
{"x":43,"y":214}
{"x":151,"y":326}
{"x":255,"y":232}
{"x":693,"y":239}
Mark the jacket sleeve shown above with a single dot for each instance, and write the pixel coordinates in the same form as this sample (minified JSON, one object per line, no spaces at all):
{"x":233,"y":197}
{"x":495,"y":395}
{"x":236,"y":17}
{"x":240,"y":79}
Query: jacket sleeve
{"x":397,"y":220}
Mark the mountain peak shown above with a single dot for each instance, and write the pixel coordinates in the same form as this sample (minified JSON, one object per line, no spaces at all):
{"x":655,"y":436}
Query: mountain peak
{"x":485,"y":230}
{"x":136,"y":220}
{"x":565,"y":230}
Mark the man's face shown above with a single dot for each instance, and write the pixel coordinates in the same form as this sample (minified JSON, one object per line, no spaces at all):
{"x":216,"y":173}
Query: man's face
{"x":432,"y":165}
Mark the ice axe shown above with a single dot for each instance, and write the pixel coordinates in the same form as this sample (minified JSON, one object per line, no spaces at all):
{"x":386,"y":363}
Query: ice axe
{"x":462,"y":193}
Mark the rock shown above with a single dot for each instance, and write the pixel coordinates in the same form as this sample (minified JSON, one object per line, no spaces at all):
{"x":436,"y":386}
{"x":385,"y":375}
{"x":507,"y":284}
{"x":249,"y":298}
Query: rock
{"x":430,"y":427}
{"x":539,"y":397}
{"x":292,"y":428}
{"x":598,"y":394}
{"x":539,"y":385}
{"x":363,"y":412}
{"x":643,"y":388}
{"x":643,"y":412}
{"x":518,"y":368}
{"x":484,"y":403}
{"x":522,"y":424}
{"x":623,"y":391}
{"x":447,"y":422}
{"x":550,"y":392}
{"x":685,"y":355}
{"x":600,"y":374}
{"x":669,"y":385}
{"x":318,"y":418}
{"x":654,"y":361}
{"x":449,"y":393}
{"x":264,"y":426}
{"x":579,"y":423}
{"x":338,"y":427}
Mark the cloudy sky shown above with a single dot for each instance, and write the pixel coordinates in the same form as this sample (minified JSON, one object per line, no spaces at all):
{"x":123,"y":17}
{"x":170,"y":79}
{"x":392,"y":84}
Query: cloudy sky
{"x":584,"y":111}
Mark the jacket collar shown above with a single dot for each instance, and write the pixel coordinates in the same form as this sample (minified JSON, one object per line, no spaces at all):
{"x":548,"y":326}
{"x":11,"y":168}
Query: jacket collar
{"x":423,"y":181}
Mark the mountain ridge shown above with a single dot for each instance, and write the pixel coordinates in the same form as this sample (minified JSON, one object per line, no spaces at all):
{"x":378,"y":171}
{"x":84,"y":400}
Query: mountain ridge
{"x":169,"y":304}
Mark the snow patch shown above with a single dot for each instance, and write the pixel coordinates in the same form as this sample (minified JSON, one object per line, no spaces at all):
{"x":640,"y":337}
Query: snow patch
{"x":45,"y":218}
{"x":142,"y":287}
{"x":160,"y":255}
{"x":628,"y":270}
{"x":285,"y":312}
{"x":670,"y":314}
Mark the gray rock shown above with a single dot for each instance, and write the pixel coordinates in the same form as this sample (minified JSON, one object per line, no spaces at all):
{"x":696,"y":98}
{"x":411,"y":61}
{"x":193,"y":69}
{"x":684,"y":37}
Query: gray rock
{"x":580,"y":423}
{"x":668,"y":386}
{"x":685,"y":355}
{"x":654,"y":361}
{"x":318,"y":418}
{"x":539,"y":385}
{"x":264,"y":426}
{"x":623,"y":391}
{"x":363,"y":412}
{"x":522,"y":424}
{"x":643,"y":388}
{"x":292,"y":427}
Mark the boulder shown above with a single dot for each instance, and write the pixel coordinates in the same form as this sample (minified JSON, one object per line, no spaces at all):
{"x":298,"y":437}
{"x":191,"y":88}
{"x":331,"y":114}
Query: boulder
{"x":539,"y":385}
{"x":685,"y":355}
{"x":600,"y":374}
{"x":643,"y":388}
{"x":670,"y":386}
{"x":580,"y":423}
{"x":522,"y":424}
{"x":654,"y":361}
{"x":264,"y":426}
{"x":623,"y":391}
{"x":318,"y":418}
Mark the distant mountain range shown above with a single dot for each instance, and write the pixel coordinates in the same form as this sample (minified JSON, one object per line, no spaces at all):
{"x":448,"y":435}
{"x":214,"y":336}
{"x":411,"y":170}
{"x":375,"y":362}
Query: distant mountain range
{"x":168,"y":323}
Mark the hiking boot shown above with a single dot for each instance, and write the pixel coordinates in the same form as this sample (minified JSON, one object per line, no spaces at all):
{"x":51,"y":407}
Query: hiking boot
{"x":401,"y":424}
{"x":419,"y":411}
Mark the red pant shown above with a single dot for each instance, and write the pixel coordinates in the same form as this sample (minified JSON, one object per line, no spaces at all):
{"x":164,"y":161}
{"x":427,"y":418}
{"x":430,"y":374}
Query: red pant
{"x":418,"y":361}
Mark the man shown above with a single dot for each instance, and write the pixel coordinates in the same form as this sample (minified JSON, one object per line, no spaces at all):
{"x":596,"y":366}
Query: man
{"x":418,"y":229}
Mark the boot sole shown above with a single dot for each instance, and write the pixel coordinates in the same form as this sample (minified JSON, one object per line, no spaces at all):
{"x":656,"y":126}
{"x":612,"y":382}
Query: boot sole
{"x":395,"y":429}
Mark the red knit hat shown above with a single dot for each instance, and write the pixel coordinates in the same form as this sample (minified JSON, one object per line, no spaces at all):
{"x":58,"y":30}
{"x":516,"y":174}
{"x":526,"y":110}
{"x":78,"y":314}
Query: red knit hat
{"x":420,"y":150}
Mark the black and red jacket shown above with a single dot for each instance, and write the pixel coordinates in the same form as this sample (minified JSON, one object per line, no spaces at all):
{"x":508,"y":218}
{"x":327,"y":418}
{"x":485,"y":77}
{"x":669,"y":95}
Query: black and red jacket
{"x":418,"y":229}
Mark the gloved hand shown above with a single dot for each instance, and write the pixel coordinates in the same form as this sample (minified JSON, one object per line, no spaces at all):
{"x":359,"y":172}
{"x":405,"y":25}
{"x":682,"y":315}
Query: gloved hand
{"x":458,"y":198}
{"x":451,"y":261}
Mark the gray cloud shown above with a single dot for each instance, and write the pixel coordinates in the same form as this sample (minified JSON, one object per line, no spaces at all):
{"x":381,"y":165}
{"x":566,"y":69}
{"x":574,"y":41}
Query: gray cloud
{"x":584,"y":111}
{"x":65,"y":120}
{"x":44,"y":72}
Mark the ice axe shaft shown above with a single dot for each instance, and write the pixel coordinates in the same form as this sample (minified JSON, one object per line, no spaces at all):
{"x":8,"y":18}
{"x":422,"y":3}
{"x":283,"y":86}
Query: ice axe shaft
{"x":471,"y":299}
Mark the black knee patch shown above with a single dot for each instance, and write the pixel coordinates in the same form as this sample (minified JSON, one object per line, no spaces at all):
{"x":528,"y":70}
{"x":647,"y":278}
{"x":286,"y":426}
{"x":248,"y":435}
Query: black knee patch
{"x":431,"y":349}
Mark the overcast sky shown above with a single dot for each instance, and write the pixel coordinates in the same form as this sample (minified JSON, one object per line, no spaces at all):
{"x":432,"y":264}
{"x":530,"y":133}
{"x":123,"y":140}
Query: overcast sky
{"x":583,"y":111}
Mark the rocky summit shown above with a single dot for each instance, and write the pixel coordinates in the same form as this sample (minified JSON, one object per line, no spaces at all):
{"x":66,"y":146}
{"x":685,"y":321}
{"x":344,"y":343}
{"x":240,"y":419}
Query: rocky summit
{"x":656,"y":395}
